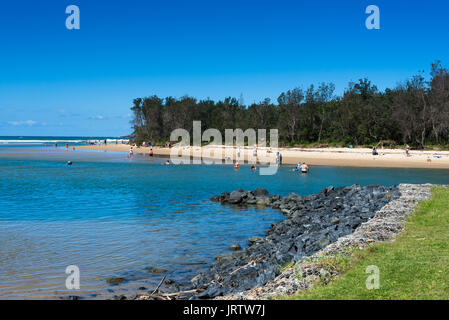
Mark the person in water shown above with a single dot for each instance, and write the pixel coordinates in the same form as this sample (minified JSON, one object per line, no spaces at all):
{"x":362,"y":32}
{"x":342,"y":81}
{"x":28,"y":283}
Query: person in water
{"x":167,"y":163}
{"x":151,"y":152}
{"x":236,"y":165}
{"x":253,"y":168}
{"x":131,"y":152}
{"x":304,"y":168}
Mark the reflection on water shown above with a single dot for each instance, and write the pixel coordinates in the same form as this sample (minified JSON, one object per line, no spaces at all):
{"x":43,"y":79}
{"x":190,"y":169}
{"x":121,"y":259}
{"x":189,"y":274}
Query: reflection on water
{"x":112,"y":216}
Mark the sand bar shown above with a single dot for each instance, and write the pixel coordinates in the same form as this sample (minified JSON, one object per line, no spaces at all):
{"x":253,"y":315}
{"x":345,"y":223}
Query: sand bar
{"x":346,"y":157}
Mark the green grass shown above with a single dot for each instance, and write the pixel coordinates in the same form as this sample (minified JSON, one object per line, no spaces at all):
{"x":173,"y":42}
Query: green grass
{"x":414,"y":266}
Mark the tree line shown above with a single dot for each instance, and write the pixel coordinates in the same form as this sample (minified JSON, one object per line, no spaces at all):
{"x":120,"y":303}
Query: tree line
{"x":415,"y":112}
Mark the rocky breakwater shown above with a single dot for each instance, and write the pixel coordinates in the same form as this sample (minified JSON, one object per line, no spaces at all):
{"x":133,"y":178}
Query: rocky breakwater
{"x":312,"y":222}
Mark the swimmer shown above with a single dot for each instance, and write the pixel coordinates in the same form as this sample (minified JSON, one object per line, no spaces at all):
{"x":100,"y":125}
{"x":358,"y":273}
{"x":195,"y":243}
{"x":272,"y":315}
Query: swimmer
{"x":236,"y":165}
{"x":304,"y":168}
{"x":253,"y":168}
{"x":167,"y":163}
{"x":151,"y":152}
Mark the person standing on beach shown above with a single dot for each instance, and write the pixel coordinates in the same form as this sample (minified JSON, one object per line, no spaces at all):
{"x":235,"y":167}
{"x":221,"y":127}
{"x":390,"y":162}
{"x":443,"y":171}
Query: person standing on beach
{"x":278,"y":159}
{"x":131,"y":152}
{"x":407,"y":150}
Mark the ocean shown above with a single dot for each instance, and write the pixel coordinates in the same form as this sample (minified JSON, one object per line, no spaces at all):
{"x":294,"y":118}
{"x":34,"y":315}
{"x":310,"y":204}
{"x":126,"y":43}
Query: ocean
{"x":115,"y":217}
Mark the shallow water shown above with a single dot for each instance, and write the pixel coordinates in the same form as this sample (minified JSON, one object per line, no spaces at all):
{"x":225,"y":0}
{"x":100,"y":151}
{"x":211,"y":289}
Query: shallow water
{"x":112,"y":216}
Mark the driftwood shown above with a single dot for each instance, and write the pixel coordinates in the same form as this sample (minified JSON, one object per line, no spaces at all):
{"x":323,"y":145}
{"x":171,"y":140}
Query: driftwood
{"x":246,"y":265}
{"x":167,"y":296}
{"x":159,"y":285}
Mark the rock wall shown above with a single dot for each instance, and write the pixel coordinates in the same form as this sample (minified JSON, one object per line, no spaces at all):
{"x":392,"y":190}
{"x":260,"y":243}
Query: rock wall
{"x":312,"y":223}
{"x":387,"y":223}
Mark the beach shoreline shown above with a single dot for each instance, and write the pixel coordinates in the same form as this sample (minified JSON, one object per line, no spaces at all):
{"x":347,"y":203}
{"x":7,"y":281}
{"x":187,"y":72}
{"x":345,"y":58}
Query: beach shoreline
{"x":338,"y":157}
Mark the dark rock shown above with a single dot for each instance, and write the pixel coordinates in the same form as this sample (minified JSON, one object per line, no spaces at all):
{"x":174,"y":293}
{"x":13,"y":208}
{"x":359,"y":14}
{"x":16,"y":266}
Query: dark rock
{"x":235,"y":197}
{"x":223,"y":258}
{"x":260,"y":192}
{"x":254,"y":240}
{"x":235,"y":247}
{"x":215,"y":199}
{"x":335,"y":221}
{"x":115,"y":280}
{"x":155,"y":270}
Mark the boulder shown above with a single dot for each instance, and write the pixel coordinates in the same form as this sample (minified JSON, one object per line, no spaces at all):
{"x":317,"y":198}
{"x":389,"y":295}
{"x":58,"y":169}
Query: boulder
{"x":260,"y":192}
{"x":235,"y":197}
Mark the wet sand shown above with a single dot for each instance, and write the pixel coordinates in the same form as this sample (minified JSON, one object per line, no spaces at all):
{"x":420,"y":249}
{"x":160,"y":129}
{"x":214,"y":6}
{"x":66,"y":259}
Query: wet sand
{"x":345,"y":157}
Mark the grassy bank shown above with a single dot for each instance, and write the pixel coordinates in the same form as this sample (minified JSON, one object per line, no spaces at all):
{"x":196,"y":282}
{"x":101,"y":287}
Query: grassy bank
{"x":414,"y":266}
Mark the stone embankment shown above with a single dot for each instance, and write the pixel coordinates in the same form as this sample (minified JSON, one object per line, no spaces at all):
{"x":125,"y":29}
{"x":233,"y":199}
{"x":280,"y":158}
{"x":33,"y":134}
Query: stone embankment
{"x":288,"y":258}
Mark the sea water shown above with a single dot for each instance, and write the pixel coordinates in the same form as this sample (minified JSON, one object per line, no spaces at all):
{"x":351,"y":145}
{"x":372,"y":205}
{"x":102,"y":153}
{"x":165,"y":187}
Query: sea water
{"x":114,"y":216}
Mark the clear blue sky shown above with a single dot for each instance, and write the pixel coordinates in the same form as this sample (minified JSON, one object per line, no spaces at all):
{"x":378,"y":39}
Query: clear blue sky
{"x":55,"y":81}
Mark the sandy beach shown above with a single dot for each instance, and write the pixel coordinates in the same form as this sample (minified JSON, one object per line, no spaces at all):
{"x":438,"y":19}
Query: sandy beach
{"x":346,"y":157}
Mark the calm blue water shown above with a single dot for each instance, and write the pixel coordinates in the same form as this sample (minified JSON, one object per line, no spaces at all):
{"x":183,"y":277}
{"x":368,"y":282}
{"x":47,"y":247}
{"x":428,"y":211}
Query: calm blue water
{"x":112,"y":216}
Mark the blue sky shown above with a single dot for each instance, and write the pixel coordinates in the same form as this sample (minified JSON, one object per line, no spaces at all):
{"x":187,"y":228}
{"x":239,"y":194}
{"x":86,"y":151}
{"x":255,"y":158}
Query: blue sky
{"x":55,"y":81}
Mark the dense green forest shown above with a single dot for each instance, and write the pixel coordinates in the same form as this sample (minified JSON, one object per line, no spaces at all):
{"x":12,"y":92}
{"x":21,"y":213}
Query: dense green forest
{"x":415,"y":112}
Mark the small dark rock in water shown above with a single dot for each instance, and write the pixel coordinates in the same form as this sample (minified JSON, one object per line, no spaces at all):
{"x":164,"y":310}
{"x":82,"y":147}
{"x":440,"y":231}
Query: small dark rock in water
{"x":223,"y":258}
{"x":156,"y":270}
{"x":215,"y":199}
{"x":254,"y":240}
{"x":260,"y":192}
{"x":235,"y":247}
{"x":311,"y":223}
{"x":115,"y":280}
{"x":142,"y":288}
{"x":120,"y":297}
